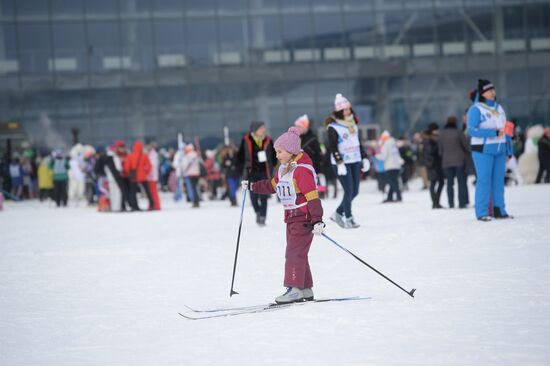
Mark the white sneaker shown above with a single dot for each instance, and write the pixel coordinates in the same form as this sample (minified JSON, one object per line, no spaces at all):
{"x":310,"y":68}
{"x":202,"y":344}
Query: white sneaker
{"x":339,"y":219}
{"x":350,"y":223}
{"x":308,"y":294}
{"x":292,"y":294}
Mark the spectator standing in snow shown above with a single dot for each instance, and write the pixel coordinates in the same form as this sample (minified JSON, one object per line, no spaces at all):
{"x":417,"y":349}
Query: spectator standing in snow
{"x":420,"y":163}
{"x":309,"y":142}
{"x":348,"y":158}
{"x":176,"y":163}
{"x":45,"y":179}
{"x":108,"y":165}
{"x":228,"y":156}
{"x":453,"y":147}
{"x":256,"y":158}
{"x":295,"y":185}
{"x":213,"y":173}
{"x":137,"y":167}
{"x":390,"y":156}
{"x":433,"y":163}
{"x":122,"y":153}
{"x":407,"y":155}
{"x":153,"y":176}
{"x":544,"y":157}
{"x":77,"y":177}
{"x":490,"y":149}
{"x":191,"y":171}
{"x":60,"y":167}
{"x":16,"y":176}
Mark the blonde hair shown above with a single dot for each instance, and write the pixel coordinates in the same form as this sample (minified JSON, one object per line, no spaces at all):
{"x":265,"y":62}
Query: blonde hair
{"x":291,"y":165}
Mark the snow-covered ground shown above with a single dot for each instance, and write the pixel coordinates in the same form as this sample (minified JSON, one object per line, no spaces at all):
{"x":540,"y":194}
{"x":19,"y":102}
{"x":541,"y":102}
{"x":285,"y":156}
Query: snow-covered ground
{"x":78,"y":287}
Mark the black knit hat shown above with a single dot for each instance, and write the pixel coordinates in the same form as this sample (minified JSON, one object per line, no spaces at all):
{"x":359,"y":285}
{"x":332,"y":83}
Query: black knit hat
{"x":255,"y":125}
{"x":432,"y":127}
{"x":484,"y":85}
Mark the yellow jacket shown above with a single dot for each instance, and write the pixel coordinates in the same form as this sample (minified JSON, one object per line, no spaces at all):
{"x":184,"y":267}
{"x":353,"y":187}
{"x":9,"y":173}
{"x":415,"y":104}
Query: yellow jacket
{"x":45,"y":177}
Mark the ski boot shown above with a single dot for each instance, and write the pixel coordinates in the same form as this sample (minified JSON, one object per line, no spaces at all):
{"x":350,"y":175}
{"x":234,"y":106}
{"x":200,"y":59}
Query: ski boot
{"x":308,"y":294}
{"x":339,"y":219}
{"x":350,"y":223}
{"x":292,"y":294}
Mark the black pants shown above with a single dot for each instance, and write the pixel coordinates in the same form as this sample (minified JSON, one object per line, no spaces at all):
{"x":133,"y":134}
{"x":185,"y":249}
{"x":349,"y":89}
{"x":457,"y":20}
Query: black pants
{"x":134,"y":189}
{"x":45,"y":193}
{"x":392,"y":177}
{"x":450,"y":174}
{"x":60,"y":192}
{"x":259,"y":201}
{"x":543,"y":168}
{"x":435,"y":193}
{"x":194,"y":183}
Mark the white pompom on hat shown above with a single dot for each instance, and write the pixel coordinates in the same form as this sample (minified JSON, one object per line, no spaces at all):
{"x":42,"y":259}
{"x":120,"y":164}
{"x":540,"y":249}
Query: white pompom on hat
{"x":341,"y":103}
{"x":302,"y":122}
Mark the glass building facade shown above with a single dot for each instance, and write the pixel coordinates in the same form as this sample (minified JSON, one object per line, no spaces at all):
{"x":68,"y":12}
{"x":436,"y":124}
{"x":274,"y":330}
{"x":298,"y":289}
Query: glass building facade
{"x":152,"y":68}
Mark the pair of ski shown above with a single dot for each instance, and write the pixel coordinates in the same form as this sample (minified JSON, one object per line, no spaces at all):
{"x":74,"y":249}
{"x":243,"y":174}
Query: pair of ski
{"x":198,"y":314}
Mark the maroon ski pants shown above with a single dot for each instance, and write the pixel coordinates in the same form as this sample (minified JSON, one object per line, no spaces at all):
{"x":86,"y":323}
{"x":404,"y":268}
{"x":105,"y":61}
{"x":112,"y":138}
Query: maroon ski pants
{"x":298,"y":242}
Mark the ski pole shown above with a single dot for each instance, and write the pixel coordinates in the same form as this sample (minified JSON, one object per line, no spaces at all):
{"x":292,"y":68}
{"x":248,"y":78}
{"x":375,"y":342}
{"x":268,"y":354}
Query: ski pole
{"x":233,"y":292}
{"x":410,"y":293}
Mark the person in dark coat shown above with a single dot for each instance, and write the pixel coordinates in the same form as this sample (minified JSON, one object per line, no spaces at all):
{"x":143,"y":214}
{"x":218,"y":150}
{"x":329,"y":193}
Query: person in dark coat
{"x":544,"y":157}
{"x":453,"y":148}
{"x":309,"y":142}
{"x":230,"y":172}
{"x":107,"y":166}
{"x":433,"y":163}
{"x":256,"y":159}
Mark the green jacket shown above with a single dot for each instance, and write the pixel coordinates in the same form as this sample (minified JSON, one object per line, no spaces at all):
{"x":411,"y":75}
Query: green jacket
{"x":60,"y":167}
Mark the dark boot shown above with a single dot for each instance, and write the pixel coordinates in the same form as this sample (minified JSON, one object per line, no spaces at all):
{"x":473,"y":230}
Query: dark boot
{"x":261,"y":221}
{"x":499,"y":215}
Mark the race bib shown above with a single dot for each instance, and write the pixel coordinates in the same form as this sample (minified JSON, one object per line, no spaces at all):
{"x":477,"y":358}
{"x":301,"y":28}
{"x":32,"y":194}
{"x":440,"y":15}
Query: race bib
{"x":262,"y":156}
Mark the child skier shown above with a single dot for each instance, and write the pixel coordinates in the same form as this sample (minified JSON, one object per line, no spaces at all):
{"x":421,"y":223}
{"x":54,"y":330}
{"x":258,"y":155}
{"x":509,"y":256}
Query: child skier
{"x":295,"y":185}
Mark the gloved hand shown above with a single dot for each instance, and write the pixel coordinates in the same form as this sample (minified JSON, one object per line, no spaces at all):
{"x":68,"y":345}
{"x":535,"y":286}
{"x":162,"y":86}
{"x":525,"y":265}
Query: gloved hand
{"x":342,"y":170}
{"x":244,"y":185}
{"x":318,"y":228}
{"x":366,"y":165}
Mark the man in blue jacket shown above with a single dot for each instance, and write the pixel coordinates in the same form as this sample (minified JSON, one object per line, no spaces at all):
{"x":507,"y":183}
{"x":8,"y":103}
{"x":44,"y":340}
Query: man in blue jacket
{"x":490,"y":149}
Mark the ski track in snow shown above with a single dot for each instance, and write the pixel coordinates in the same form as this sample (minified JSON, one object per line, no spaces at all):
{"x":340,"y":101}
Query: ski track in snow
{"x":78,"y":287}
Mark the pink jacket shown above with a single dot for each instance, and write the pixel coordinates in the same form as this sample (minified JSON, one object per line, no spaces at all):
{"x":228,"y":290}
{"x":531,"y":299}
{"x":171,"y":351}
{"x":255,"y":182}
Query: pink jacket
{"x":190,"y":165}
{"x":154,"y":159}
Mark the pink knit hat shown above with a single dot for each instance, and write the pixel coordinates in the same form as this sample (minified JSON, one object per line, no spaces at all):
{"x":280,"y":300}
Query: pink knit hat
{"x":341,"y":103}
{"x":289,"y":141}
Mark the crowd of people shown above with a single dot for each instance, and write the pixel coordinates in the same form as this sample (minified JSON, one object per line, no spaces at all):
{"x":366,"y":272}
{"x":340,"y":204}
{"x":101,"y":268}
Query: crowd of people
{"x":297,"y":168}
{"x":113,"y":178}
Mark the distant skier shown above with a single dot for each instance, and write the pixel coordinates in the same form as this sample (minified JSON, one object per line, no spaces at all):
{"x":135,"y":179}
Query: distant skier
{"x":295,"y":185}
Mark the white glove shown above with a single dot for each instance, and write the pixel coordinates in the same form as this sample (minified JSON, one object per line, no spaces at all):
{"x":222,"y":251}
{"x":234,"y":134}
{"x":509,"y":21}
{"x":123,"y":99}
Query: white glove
{"x":318,"y":228}
{"x":366,"y":165}
{"x":244,"y":185}
{"x":342,"y":170}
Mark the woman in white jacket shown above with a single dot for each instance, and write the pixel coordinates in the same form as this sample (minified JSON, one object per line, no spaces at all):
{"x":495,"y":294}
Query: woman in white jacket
{"x":389,"y":155}
{"x":191,"y":171}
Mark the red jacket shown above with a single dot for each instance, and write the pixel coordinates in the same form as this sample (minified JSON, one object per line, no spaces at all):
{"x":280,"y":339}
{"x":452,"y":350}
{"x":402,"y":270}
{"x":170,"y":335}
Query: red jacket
{"x":139,"y":161}
{"x":306,"y":188}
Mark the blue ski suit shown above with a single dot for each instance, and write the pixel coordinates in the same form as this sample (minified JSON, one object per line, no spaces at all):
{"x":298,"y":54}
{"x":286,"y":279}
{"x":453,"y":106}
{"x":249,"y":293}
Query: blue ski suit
{"x":489,"y":152}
